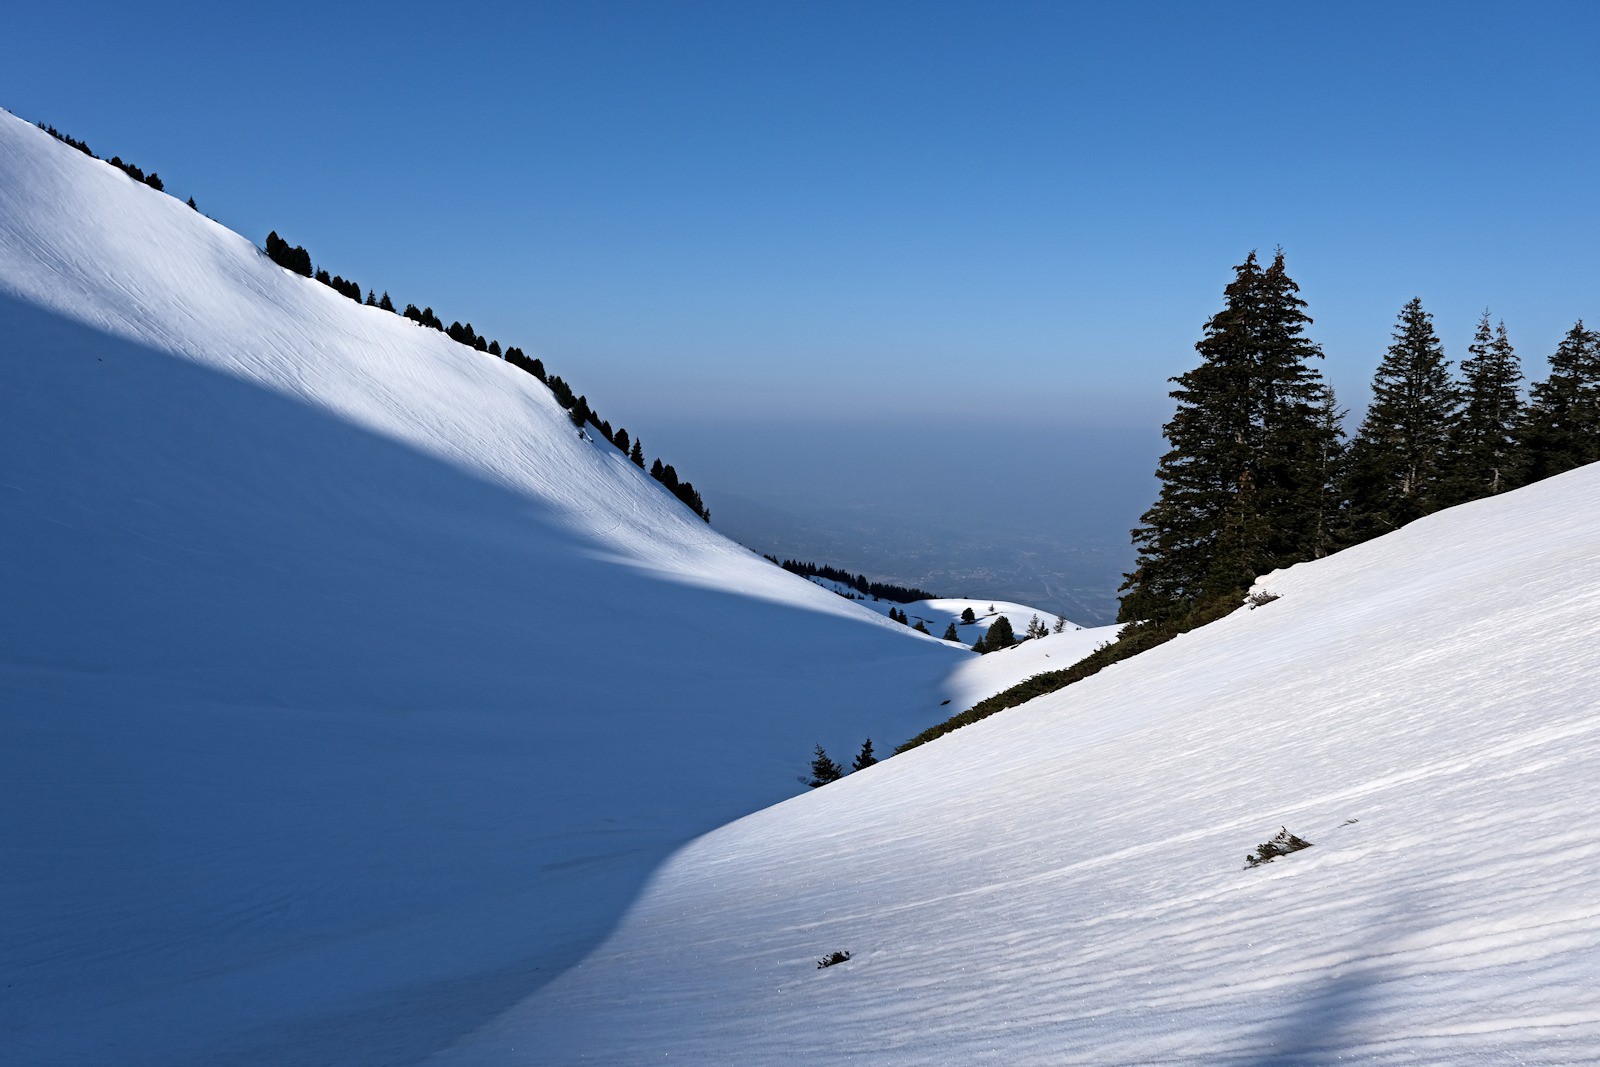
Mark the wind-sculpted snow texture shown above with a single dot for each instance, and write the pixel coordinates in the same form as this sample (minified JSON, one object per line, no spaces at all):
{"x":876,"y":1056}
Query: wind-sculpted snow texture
{"x":1064,"y":882}
{"x":346,"y":696}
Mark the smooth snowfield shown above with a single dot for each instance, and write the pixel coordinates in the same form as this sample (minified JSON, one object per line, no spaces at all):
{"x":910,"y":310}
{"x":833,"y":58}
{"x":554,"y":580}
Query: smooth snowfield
{"x":345,"y":694}
{"x":1064,"y":882}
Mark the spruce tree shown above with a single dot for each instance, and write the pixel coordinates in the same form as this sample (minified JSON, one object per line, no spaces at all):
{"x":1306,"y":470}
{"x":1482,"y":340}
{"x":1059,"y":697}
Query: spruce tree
{"x":637,"y":455}
{"x":384,"y":302}
{"x":1244,"y":474}
{"x":864,"y":758}
{"x":1000,"y":635}
{"x":1400,"y":456}
{"x":823,"y":769}
{"x":1561,"y":427}
{"x":1483,"y":442}
{"x":950,"y":633}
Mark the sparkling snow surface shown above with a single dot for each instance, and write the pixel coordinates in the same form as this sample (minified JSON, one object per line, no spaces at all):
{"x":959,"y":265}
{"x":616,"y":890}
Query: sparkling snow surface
{"x":346,"y":696}
{"x":1063,"y":883}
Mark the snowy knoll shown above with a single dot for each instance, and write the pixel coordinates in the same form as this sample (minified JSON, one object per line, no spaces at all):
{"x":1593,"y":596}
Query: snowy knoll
{"x":1066,"y":882}
{"x":345,"y":694}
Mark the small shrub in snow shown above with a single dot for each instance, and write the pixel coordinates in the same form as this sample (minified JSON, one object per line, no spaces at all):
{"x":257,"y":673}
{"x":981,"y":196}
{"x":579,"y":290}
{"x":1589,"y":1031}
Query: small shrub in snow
{"x":1260,"y":597}
{"x":1281,"y":845}
{"x":831,"y":958}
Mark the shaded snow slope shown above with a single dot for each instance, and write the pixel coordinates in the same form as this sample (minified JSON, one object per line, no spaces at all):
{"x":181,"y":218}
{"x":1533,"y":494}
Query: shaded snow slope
{"x":1064,"y":882}
{"x":345,"y":694}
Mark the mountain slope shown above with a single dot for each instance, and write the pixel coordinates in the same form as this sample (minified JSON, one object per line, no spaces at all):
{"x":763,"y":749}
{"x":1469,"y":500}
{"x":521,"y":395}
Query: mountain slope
{"x":347,"y":695}
{"x":1064,"y":882}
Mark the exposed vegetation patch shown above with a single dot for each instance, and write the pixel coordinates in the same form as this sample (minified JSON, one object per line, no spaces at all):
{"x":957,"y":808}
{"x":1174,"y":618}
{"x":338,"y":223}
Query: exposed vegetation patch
{"x":1133,"y":640}
{"x":1281,"y":845}
{"x":832,"y":958}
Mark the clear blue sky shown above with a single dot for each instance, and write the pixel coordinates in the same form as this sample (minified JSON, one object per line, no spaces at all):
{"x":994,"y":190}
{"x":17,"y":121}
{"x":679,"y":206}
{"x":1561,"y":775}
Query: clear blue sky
{"x":914,"y":214}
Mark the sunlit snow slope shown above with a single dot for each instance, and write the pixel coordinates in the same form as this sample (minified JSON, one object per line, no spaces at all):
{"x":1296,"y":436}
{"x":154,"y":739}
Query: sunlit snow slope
{"x":345,"y":694}
{"x":1064,"y":882}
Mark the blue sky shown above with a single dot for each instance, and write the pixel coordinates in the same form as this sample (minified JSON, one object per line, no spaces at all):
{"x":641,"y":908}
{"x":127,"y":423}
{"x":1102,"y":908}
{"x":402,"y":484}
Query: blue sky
{"x":919,"y":215}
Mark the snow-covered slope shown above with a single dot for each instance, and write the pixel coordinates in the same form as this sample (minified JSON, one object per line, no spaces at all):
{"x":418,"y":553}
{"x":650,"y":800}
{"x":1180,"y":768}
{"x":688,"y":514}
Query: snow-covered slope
{"x":345,"y":694}
{"x":1064,"y":882}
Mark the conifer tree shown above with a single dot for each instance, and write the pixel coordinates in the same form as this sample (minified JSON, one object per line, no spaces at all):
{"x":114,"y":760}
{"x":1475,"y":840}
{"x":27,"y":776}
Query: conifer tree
{"x":950,"y":633}
{"x":622,"y":440}
{"x":864,"y":758}
{"x":384,"y":302}
{"x":1000,"y":635}
{"x":1400,"y":455}
{"x":1244,"y":473}
{"x":1561,"y":427}
{"x":922,"y":628}
{"x":637,"y":455}
{"x":1325,"y":524}
{"x":823,"y":769}
{"x":1483,"y":441}
{"x":979,"y":646}
{"x":967,"y":615}
{"x":1036,"y":628}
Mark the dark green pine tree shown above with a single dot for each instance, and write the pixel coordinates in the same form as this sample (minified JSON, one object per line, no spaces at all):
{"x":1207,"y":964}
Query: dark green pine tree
{"x":950,"y":633}
{"x":637,"y":455}
{"x":823,"y":769}
{"x":1000,"y":635}
{"x":1483,"y":442}
{"x":1246,"y":471}
{"x":1561,"y":427}
{"x":1327,"y":522}
{"x":1301,"y":432}
{"x":1400,"y":455}
{"x":864,"y":758}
